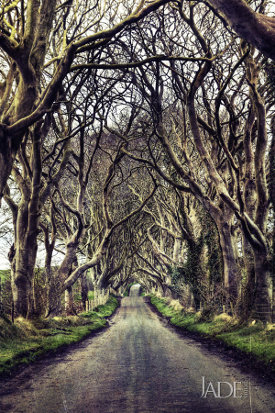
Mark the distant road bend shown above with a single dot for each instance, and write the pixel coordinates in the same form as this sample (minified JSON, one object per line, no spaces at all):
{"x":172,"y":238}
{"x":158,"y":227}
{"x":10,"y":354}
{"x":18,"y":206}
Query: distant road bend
{"x":137,"y":365}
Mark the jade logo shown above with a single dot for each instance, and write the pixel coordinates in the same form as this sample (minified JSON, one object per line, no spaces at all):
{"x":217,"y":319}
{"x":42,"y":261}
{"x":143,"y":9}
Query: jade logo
{"x":223,"y":389}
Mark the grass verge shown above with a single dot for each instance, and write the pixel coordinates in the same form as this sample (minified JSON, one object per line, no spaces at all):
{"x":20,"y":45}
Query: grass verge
{"x":255,"y":339}
{"x":25,"y":340}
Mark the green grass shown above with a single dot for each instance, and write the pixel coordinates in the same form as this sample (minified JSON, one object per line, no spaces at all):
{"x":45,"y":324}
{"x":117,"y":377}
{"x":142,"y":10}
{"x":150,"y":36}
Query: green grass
{"x":257,"y":340}
{"x":24,"y":341}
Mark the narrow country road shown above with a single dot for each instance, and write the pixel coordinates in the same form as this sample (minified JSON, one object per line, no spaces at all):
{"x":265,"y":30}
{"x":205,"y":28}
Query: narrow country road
{"x":137,"y":365}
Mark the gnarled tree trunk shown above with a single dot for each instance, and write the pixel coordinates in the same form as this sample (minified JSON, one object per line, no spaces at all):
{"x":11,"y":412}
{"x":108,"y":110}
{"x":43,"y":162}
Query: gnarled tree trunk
{"x":262,"y":305}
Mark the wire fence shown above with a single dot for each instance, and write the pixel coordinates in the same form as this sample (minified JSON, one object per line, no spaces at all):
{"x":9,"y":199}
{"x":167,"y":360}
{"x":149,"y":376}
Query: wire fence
{"x":100,"y":298}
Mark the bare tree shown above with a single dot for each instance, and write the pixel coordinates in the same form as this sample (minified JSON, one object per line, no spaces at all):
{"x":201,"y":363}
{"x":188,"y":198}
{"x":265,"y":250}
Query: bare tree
{"x":39,"y":42}
{"x":253,"y":26}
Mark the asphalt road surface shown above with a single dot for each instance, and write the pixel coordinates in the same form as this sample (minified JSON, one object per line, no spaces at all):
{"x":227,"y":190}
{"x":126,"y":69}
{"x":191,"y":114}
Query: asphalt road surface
{"x":137,"y":365}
